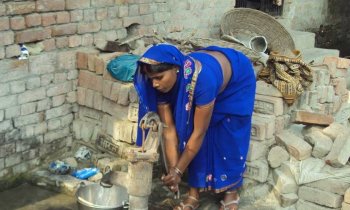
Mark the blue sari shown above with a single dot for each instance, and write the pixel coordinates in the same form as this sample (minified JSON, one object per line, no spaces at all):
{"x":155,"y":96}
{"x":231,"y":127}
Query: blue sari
{"x":220,"y":162}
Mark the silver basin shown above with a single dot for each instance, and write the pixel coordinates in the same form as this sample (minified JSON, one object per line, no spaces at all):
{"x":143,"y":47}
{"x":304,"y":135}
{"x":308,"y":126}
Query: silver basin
{"x":96,"y":197}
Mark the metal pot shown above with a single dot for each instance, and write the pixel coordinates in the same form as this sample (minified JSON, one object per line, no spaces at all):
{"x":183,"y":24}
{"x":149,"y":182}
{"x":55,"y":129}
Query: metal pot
{"x":96,"y":197}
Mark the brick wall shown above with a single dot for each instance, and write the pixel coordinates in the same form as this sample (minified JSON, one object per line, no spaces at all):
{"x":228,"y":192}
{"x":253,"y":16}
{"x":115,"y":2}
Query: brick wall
{"x":107,"y":106}
{"x":38,"y":96}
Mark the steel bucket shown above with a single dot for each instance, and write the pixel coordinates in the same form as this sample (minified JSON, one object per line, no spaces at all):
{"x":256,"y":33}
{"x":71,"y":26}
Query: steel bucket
{"x":96,"y":197}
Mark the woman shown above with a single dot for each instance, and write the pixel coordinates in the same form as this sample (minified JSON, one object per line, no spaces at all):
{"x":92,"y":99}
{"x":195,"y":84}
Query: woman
{"x":206,"y":99}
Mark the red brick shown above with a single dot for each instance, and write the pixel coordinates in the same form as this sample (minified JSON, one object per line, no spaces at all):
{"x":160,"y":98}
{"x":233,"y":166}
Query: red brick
{"x":100,"y":65}
{"x":112,"y":24}
{"x":6,"y":38}
{"x":82,"y":60}
{"x":49,"y":5}
{"x":33,"y":20}
{"x":49,"y":44}
{"x":102,"y":3}
{"x":87,"y":40}
{"x":76,"y":15}
{"x":343,"y":63}
{"x":48,"y":19}
{"x":91,"y":62}
{"x":4,"y":23}
{"x":12,"y":51}
{"x":66,"y":29}
{"x":113,"y":12}
{"x":101,"y":13}
{"x":89,"y":27}
{"x":339,"y":86}
{"x":18,"y":8}
{"x":77,"y":4}
{"x":2,"y":10}
{"x":89,"y":15}
{"x":62,"y":17}
{"x":147,"y":9}
{"x":337,"y":104}
{"x":345,"y":97}
{"x":32,"y":35}
{"x":310,"y":118}
{"x":2,"y":52}
{"x":121,"y":1}
{"x":66,"y":60}
{"x":102,"y":60}
{"x":17,"y":23}
{"x":330,"y":59}
{"x":61,"y":42}
{"x":81,"y":92}
{"x":127,"y":21}
{"x":148,"y":19}
{"x":108,"y":76}
{"x":74,"y":41}
{"x":90,"y":80}
{"x":134,"y":10}
{"x":123,"y":11}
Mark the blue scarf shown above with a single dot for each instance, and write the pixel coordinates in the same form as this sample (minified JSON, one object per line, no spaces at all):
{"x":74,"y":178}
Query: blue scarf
{"x":182,"y":106}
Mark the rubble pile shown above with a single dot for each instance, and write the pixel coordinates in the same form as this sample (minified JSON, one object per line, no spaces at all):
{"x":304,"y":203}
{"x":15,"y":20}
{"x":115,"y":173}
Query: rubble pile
{"x":300,"y":153}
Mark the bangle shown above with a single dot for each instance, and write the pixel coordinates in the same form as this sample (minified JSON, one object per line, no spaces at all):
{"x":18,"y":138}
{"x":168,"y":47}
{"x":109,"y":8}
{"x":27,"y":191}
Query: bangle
{"x":178,"y":171}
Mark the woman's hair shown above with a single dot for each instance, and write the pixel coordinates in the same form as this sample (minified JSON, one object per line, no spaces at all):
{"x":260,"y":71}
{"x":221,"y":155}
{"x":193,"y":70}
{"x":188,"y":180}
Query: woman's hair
{"x":157,"y":68}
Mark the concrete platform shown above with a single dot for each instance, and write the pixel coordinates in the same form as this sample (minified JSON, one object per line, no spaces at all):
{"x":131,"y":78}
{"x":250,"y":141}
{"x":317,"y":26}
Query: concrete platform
{"x":302,"y":39}
{"x":317,"y":54}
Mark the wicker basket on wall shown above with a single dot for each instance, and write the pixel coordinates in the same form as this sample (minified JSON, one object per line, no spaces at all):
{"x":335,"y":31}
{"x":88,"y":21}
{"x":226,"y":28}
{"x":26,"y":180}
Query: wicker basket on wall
{"x":251,"y":22}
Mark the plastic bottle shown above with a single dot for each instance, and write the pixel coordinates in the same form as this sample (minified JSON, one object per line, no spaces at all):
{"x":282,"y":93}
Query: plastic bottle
{"x":85,"y":173}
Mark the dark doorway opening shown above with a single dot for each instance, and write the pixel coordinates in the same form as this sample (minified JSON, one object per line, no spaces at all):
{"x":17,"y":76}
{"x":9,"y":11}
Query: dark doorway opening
{"x":335,"y":33}
{"x":268,"y":6}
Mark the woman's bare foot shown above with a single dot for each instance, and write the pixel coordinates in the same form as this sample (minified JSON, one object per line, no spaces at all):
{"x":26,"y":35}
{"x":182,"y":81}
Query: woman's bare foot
{"x":230,"y":201}
{"x":191,"y":202}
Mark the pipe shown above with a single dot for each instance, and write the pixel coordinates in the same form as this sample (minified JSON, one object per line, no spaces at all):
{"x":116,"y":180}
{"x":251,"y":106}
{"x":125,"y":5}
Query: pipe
{"x":139,"y":174}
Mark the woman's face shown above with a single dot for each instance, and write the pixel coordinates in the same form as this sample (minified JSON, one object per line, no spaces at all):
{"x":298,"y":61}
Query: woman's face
{"x":163,"y":81}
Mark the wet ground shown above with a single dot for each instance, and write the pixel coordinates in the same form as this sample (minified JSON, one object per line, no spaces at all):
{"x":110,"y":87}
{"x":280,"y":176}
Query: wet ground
{"x":33,"y":197}
{"x":29,"y":197}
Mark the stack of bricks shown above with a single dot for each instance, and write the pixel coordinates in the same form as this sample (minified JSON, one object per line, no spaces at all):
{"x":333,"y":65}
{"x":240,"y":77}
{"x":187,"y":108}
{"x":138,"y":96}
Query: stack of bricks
{"x":346,"y":203}
{"x":107,"y":106}
{"x":277,"y":139}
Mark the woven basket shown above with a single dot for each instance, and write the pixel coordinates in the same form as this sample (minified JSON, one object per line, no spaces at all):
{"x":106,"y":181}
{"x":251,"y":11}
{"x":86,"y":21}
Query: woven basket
{"x":251,"y":22}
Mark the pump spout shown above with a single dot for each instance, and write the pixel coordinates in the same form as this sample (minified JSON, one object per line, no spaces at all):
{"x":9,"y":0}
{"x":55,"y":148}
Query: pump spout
{"x":111,"y":178}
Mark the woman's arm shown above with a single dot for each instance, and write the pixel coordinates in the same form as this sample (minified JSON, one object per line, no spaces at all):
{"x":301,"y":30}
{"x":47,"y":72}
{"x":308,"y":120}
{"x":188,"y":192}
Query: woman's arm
{"x":169,"y":134}
{"x":202,"y":116}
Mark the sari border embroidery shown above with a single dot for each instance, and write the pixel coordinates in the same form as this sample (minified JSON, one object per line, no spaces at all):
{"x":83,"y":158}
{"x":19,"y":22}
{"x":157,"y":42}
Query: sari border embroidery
{"x":149,"y":61}
{"x":209,"y":188}
{"x":198,"y":68}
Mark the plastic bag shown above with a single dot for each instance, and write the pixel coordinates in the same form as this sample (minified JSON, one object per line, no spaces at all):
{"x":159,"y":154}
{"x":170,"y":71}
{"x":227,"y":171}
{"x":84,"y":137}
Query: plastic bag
{"x":59,"y":167}
{"x":123,"y":67}
{"x":312,"y":169}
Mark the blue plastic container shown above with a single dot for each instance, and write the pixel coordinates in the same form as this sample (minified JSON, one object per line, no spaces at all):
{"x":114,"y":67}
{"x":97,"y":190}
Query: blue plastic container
{"x":85,"y":173}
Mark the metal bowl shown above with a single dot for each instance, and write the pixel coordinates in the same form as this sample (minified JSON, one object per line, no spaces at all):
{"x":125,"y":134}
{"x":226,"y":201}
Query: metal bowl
{"x":96,"y":197}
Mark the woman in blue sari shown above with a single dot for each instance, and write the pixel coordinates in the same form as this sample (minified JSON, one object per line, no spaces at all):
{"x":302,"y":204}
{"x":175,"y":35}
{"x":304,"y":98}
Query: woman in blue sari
{"x":206,"y":99}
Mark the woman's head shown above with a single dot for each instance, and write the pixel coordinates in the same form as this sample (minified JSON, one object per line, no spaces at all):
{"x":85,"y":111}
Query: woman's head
{"x":160,"y":63}
{"x":162,"y":75}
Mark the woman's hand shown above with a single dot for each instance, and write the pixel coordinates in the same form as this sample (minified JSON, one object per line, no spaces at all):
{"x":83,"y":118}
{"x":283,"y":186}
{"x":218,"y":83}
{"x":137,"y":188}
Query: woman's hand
{"x":172,"y":180}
